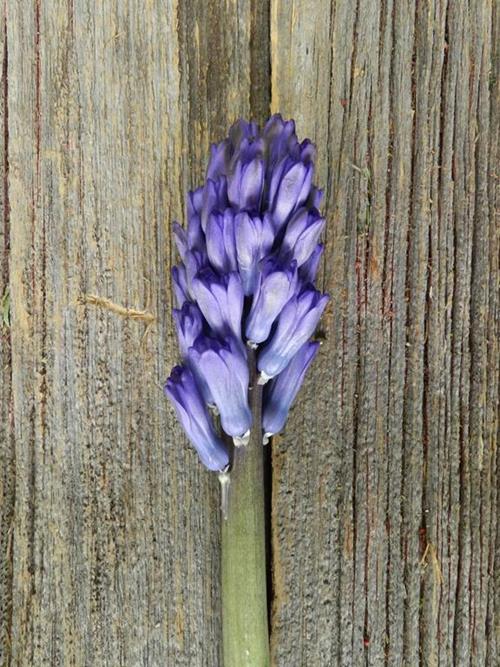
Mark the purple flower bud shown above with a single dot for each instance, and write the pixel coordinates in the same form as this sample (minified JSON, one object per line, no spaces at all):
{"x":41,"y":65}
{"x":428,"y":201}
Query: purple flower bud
{"x":220,"y":155}
{"x":220,"y":299}
{"x":280,"y":139}
{"x":193,"y":238}
{"x":189,"y":324}
{"x":290,"y":187}
{"x":301,"y":235}
{"x":195,"y":235}
{"x":194,"y":261}
{"x":214,"y":199}
{"x":182,"y":391}
{"x":242,"y":132}
{"x":296,"y":323}
{"x":181,"y":240}
{"x":221,"y":243}
{"x":308,"y":270}
{"x":254,"y":239}
{"x":280,"y":393}
{"x":315,"y":197}
{"x":307,"y":152}
{"x":224,"y":368}
{"x":195,"y":202}
{"x":245,"y":185}
{"x":179,"y":280}
{"x":275,"y":287}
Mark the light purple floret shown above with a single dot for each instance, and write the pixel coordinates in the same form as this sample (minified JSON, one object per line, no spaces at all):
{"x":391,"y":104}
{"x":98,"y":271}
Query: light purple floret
{"x":224,"y":368}
{"x":192,"y":412}
{"x":296,"y":324}
{"x":280,"y":393}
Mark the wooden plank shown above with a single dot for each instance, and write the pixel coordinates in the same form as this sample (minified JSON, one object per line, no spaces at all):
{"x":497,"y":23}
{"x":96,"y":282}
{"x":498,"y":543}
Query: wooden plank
{"x":7,"y":476}
{"x":384,"y":484}
{"x":116,"y":530}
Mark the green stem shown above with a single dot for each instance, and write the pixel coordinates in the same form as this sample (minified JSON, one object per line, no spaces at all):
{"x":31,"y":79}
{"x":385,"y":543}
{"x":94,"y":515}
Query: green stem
{"x":244,"y":596}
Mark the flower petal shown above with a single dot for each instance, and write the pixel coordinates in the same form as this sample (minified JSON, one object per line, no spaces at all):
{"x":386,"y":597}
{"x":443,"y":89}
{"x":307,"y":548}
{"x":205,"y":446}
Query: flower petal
{"x":179,"y":280}
{"x":295,"y":325}
{"x":275,"y":288}
{"x":220,"y":299}
{"x":184,"y":395}
{"x":189,"y":325}
{"x":280,"y":393}
{"x":309,"y":269}
{"x":226,"y":373}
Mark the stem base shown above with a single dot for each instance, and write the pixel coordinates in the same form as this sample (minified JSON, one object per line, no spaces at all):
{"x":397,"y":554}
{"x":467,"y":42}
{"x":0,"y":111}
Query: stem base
{"x":244,"y":595}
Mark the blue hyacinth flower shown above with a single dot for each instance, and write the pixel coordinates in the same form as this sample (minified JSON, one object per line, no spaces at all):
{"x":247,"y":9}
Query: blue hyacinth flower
{"x":249,"y":257}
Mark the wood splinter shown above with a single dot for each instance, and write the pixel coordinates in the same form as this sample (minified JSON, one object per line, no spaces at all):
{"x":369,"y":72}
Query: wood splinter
{"x":132,"y":313}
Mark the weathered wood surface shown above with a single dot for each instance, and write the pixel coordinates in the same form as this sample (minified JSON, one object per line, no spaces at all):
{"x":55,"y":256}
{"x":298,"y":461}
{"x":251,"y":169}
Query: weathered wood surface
{"x":385,"y":482}
{"x":384,"y":485}
{"x":6,"y":439}
{"x":115,"y":533}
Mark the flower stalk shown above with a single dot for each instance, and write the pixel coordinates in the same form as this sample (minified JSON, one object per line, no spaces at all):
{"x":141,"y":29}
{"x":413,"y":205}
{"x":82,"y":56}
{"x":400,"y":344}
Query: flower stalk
{"x":244,"y":596}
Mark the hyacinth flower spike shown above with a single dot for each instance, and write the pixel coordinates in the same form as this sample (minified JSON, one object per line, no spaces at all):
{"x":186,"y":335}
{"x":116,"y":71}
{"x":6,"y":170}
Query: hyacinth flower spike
{"x":246,"y":308}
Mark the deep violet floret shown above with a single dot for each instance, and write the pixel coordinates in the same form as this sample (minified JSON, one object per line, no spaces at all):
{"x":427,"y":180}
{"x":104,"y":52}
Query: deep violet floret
{"x":249,"y":258}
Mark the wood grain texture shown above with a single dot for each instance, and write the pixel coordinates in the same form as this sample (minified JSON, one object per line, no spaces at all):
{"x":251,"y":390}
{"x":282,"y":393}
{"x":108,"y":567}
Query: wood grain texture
{"x":385,"y":540}
{"x":385,"y":481}
{"x":115,"y":543}
{"x":7,"y":468}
